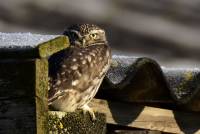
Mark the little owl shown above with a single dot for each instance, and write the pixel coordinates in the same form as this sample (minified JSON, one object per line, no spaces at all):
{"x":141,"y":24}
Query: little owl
{"x":77,"y":72}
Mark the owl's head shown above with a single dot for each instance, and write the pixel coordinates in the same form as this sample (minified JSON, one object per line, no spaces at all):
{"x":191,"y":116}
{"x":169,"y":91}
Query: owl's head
{"x":83,"y":35}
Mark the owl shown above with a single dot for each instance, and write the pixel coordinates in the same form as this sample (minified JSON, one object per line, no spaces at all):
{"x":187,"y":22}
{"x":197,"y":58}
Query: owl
{"x":77,"y":72}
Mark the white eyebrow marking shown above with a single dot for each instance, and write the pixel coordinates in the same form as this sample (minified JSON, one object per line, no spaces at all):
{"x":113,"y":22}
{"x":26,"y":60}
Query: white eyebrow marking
{"x":97,"y":31}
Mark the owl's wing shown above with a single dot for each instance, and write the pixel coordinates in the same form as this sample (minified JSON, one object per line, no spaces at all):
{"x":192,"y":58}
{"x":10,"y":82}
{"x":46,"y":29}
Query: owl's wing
{"x":77,"y":69}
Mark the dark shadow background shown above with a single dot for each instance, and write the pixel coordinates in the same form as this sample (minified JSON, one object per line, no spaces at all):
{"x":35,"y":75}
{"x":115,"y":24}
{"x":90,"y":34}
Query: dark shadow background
{"x":168,"y":31}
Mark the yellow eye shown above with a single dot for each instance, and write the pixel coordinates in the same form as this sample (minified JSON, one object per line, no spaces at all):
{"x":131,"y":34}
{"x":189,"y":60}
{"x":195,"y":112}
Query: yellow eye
{"x":93,"y":35}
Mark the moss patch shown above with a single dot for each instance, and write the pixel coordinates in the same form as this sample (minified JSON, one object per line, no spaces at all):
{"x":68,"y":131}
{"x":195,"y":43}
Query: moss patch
{"x":52,"y":46}
{"x":76,"y":123}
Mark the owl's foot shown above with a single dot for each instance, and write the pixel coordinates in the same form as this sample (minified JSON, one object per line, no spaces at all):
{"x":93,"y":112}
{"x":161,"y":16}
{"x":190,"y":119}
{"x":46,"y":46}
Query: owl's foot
{"x":86,"y":108}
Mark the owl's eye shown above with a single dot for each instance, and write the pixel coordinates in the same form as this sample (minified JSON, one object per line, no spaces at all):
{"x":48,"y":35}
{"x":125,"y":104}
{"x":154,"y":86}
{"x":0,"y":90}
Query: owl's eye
{"x":93,"y":35}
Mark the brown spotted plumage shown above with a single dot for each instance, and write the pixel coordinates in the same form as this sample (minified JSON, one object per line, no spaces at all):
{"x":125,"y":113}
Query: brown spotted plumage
{"x":77,"y":72}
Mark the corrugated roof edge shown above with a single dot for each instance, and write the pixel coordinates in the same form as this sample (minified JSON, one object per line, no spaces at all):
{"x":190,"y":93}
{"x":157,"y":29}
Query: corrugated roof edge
{"x":143,"y":80}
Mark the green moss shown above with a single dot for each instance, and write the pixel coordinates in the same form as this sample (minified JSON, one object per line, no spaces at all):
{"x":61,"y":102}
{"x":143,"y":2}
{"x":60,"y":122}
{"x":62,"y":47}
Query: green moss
{"x":52,"y":46}
{"x":76,"y":123}
{"x":188,"y":76}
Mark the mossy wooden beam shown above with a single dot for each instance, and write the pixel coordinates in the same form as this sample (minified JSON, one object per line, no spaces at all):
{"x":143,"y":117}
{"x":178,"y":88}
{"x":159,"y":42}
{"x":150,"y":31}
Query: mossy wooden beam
{"x":52,"y":46}
{"x":23,"y":93}
{"x":41,"y":88}
{"x":42,"y":50}
{"x":76,"y":123}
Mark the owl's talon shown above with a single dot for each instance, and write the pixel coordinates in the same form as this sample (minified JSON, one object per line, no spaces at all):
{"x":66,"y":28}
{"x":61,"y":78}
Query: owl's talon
{"x":85,"y":109}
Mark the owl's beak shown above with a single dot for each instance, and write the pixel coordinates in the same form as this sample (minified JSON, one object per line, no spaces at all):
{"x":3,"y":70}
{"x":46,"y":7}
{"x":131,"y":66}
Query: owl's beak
{"x":83,"y":42}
